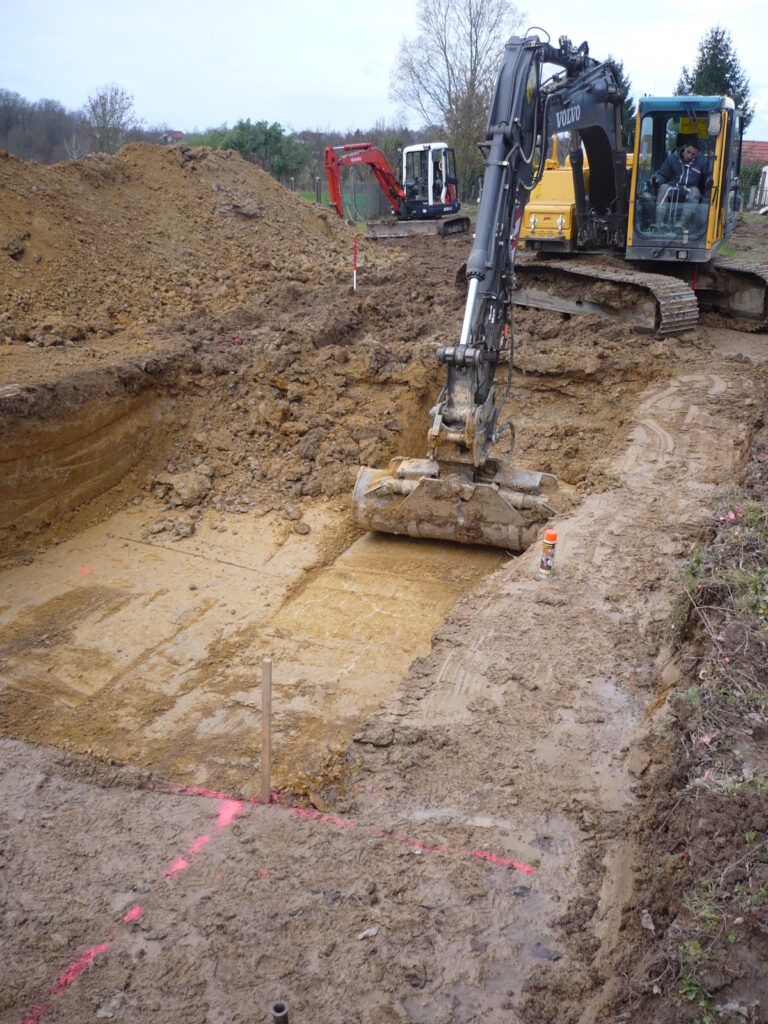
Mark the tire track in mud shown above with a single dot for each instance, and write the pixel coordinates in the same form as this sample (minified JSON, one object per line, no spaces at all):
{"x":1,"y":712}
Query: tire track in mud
{"x":529,"y":712}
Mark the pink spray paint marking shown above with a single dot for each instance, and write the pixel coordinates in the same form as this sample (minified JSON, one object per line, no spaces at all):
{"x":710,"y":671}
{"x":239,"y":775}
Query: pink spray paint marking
{"x":325,"y":819}
{"x":35,"y":1014}
{"x":493,"y":858}
{"x":228,"y":812}
{"x":422,"y":847}
{"x":199,"y":791}
{"x":197,"y":844}
{"x":86,"y":569}
{"x":275,"y":798}
{"x":68,"y":977}
{"x":278,"y":801}
{"x":180,"y":864}
{"x":73,"y":972}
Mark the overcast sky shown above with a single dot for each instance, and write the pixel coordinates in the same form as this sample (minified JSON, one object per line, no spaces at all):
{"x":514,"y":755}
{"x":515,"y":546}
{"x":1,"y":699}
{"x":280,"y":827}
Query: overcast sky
{"x":321,"y":64}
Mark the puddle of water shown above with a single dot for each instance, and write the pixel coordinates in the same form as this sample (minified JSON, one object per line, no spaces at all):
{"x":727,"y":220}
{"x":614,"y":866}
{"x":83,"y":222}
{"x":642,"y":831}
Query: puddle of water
{"x":150,"y":651}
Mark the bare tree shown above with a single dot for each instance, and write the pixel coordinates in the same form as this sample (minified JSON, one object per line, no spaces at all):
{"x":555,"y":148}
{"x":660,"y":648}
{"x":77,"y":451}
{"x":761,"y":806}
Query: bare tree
{"x":77,"y":138}
{"x":447,"y":74}
{"x":110,"y":116}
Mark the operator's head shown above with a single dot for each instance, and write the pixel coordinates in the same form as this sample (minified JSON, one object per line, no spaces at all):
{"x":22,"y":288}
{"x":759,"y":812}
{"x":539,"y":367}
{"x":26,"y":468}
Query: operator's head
{"x":690,"y":150}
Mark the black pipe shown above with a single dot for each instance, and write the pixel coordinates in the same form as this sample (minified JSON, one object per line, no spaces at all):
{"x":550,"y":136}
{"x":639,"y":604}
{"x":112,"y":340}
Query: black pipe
{"x":279,"y":1011}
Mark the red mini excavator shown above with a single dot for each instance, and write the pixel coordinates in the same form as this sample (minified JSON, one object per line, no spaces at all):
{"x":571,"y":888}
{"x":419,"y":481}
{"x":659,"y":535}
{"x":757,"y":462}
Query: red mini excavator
{"x":428,"y":193}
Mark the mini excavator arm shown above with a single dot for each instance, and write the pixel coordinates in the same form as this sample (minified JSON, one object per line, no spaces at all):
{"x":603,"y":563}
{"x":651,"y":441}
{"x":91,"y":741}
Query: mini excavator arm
{"x":353,"y":155}
{"x":585,"y":99}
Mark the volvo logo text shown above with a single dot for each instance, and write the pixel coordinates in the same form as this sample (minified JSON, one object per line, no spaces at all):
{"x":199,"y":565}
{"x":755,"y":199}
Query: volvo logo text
{"x":569,"y":116}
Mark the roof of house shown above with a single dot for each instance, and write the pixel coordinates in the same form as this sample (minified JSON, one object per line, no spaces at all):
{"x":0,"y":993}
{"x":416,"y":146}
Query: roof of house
{"x":754,"y":153}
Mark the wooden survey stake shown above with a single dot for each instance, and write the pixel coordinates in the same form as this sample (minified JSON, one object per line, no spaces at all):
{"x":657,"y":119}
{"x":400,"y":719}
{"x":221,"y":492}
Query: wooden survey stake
{"x":266,"y":731}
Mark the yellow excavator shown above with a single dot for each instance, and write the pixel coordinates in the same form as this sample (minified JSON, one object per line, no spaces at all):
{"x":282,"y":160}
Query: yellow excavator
{"x":458,"y":492}
{"x":674,"y":231}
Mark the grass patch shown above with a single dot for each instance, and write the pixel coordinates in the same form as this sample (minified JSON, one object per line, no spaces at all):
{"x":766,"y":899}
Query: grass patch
{"x":716,"y":938}
{"x":725,"y":595}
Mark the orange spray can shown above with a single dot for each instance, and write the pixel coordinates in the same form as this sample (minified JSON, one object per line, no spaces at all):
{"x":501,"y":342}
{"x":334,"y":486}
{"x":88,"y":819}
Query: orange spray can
{"x":547,"y":555}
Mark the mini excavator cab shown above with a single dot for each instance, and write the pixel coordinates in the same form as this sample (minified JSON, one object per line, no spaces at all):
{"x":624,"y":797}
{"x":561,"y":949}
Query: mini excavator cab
{"x":676,"y":213}
{"x":429,"y":180}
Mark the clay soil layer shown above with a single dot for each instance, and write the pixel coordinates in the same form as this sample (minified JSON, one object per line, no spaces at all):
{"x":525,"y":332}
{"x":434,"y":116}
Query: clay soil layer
{"x":188,"y":385}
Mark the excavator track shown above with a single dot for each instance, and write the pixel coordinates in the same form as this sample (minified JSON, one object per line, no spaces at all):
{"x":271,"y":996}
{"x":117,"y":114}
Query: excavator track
{"x":407,"y":228}
{"x":741,"y":292}
{"x":661,"y":304}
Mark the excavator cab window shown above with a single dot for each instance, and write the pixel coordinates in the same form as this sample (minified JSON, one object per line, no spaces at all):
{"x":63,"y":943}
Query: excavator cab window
{"x":437,"y":177}
{"x":674,"y":175}
{"x":417,"y":175}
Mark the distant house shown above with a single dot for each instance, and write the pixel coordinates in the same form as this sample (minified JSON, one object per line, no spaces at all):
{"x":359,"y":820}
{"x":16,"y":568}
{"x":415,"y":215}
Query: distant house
{"x":169,"y":137}
{"x":754,"y":153}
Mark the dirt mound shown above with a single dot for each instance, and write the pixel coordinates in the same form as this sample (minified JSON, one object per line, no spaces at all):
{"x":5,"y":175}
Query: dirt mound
{"x":105,"y":244}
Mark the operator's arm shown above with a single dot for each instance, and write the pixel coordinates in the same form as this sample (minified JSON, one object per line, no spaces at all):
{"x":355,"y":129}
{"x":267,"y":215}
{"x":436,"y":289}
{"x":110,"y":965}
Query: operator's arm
{"x":665,"y":173}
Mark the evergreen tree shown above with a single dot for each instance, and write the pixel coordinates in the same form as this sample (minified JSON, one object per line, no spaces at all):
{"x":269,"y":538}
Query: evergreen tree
{"x":628,"y":109}
{"x":717,"y":71}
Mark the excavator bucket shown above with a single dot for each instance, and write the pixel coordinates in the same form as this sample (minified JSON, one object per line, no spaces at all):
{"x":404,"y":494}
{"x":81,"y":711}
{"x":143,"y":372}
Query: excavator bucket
{"x":414,"y":498}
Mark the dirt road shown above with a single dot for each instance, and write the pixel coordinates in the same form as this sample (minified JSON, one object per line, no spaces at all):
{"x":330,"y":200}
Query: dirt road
{"x":457,"y":743}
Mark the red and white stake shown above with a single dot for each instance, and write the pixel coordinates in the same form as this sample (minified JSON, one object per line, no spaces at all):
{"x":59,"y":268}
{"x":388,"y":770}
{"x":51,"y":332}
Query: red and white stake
{"x":354,"y":263}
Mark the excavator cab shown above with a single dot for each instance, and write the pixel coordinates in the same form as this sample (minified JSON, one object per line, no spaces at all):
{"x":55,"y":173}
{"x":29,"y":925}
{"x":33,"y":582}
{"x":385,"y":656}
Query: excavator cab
{"x":685,"y":179}
{"x":429,"y":180}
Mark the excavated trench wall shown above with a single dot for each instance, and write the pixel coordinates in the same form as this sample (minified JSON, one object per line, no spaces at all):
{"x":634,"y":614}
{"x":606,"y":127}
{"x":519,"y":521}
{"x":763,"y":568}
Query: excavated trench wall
{"x":54,"y":466}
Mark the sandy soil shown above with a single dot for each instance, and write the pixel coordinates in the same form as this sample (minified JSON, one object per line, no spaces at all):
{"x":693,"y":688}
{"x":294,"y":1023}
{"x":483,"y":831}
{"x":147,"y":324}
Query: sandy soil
{"x":188,"y":387}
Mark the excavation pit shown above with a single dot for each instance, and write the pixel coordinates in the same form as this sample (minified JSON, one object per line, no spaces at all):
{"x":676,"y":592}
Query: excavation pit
{"x":458,"y":745}
{"x":147,"y":651}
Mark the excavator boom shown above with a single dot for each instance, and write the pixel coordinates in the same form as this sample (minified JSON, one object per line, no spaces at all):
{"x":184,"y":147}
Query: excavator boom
{"x":362,"y":153}
{"x":459,"y":492}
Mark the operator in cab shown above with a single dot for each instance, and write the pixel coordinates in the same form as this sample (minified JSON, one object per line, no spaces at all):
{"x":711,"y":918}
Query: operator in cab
{"x":686,"y":171}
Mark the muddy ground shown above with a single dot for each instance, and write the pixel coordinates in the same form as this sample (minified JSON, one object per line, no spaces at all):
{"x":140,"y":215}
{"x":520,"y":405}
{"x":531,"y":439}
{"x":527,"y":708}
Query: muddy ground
{"x":461,"y":751}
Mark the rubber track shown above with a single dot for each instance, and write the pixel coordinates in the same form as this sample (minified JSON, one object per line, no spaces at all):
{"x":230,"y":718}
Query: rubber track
{"x":678,"y":309}
{"x":454,"y":226}
{"x":758,"y":270}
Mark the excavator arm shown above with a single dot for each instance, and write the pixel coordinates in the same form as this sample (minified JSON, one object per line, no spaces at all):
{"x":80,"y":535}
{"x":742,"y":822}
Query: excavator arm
{"x":459,"y":492}
{"x":584,"y":99}
{"x":352,"y":155}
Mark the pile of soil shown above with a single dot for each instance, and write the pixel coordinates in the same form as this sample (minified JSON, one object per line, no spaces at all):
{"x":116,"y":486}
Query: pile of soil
{"x":109,"y":244}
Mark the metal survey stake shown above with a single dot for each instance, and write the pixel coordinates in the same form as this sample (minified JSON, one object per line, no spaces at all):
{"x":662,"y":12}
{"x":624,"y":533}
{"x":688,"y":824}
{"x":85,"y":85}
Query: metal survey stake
{"x":266,"y":730}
